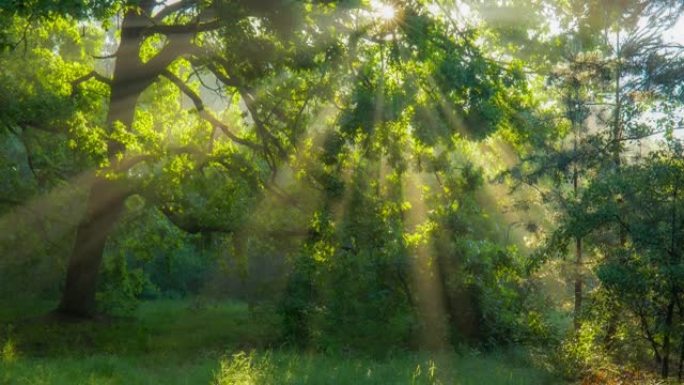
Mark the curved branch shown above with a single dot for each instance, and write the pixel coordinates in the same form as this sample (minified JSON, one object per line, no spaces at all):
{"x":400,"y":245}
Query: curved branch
{"x":201,"y":110}
{"x":90,"y":75}
{"x":223,"y":78}
{"x":206,"y":20}
{"x":127,"y":163}
{"x":178,"y":46}
{"x":258,"y":123}
{"x":249,"y":103}
{"x":104,"y":57}
{"x":172,"y":8}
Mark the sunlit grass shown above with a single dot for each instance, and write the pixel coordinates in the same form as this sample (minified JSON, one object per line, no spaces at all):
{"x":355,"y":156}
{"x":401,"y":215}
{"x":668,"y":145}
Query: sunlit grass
{"x":278,"y":367}
{"x":288,"y":368}
{"x":191,"y":342}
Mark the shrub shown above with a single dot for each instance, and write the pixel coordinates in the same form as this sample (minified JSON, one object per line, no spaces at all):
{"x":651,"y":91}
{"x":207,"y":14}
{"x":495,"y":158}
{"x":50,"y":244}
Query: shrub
{"x":243,"y":369}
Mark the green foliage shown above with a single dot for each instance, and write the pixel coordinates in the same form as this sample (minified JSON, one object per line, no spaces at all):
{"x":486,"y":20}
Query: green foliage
{"x":488,"y":296}
{"x":8,"y":353}
{"x":347,"y":287}
{"x":580,"y":352}
{"x":120,"y":286}
{"x":242,"y":369}
{"x":635,"y":215}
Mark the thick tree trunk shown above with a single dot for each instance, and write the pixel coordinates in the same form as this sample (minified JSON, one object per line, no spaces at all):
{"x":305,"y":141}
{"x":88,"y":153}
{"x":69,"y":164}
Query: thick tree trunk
{"x":106,"y":197}
{"x":105,"y":204}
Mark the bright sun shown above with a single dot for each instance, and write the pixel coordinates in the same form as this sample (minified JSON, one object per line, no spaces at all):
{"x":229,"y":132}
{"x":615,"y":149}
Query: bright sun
{"x":383,"y":11}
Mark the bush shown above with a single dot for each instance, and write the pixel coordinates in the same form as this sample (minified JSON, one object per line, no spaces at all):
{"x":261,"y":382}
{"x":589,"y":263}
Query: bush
{"x":579,"y":352}
{"x":243,"y":369}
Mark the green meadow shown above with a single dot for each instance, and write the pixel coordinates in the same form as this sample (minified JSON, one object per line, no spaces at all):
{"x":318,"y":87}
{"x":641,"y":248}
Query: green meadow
{"x":176,"y":342}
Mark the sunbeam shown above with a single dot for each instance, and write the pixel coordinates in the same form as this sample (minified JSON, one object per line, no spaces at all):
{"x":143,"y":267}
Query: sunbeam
{"x":429,"y":293}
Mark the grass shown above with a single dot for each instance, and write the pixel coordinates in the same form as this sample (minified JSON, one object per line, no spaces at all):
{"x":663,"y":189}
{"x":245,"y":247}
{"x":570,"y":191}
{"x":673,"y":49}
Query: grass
{"x":177,"y":342}
{"x":270,"y":367}
{"x":289,"y":368}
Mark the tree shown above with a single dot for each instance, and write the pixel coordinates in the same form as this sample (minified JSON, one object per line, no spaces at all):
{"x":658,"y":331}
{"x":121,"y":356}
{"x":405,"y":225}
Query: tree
{"x":246,"y":47}
{"x":605,"y":79}
{"x":634,"y":60}
{"x":643,"y":205}
{"x":156,"y":45}
{"x":577,"y":82}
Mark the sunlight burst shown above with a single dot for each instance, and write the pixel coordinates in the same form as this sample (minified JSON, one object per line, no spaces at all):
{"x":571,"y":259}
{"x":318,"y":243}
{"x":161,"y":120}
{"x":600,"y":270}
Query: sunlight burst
{"x":383,"y":11}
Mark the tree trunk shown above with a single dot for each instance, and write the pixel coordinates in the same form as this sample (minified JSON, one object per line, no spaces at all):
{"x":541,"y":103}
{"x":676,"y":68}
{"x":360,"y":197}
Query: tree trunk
{"x":665,"y":369}
{"x":578,"y":282}
{"x":680,"y":371}
{"x":105,"y":204}
{"x":577,"y":123}
{"x":460,"y":305}
{"x":106,"y":197}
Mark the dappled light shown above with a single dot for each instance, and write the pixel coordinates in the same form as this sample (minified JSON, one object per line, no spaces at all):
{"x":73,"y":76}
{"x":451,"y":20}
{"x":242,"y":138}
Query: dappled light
{"x":341,"y":192}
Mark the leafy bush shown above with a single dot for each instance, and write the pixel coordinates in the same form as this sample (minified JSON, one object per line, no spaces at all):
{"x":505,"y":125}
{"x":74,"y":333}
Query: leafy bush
{"x":580,"y":351}
{"x":243,"y":369}
{"x":121,"y":286}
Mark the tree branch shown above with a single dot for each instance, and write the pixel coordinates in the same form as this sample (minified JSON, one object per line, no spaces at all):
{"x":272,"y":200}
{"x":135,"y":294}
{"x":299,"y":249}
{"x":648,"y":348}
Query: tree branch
{"x":90,"y":75}
{"x":191,"y":227}
{"x":179,"y":45}
{"x":261,"y":130}
{"x":104,"y":57}
{"x":223,"y":78}
{"x":261,"y":127}
{"x":201,"y":110}
{"x":172,"y":8}
{"x":178,"y":29}
{"x":127,"y":163}
{"x":649,"y":336}
{"x":205,"y":20}
{"x":249,"y":103}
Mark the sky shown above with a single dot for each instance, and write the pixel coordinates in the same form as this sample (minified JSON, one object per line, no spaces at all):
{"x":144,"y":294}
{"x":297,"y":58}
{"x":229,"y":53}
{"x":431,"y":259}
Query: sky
{"x":676,"y":33}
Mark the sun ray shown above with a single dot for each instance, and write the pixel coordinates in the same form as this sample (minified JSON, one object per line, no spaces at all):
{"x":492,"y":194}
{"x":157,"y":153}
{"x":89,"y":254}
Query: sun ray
{"x":493,"y":152}
{"x":55,"y":207}
{"x":428,"y":291}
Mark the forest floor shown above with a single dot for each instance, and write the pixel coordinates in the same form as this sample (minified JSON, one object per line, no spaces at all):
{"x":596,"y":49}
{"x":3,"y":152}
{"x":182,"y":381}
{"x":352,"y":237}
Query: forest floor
{"x":185,"y":342}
